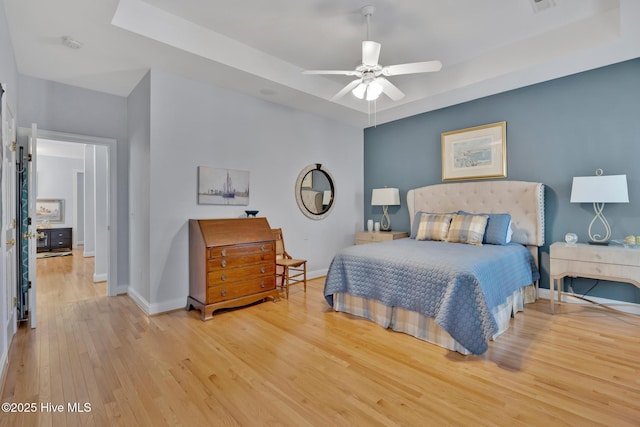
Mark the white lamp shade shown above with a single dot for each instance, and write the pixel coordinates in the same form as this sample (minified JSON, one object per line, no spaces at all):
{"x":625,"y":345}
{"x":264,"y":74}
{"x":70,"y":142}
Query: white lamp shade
{"x":385,"y":196}
{"x":600,"y":189}
{"x":326,"y":197}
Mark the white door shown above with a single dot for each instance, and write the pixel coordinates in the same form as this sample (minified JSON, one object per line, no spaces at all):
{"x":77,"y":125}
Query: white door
{"x":8,"y":203}
{"x":31,"y":177}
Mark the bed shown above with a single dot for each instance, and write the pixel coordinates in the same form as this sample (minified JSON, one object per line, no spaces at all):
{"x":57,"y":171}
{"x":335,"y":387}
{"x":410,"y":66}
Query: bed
{"x":450,"y":289}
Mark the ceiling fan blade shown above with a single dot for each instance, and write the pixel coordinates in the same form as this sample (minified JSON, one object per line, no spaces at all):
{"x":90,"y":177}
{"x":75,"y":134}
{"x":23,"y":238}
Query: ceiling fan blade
{"x":338,"y":72}
{"x":345,"y":90}
{"x":414,"y":67}
{"x":370,"y":53}
{"x":390,"y":89}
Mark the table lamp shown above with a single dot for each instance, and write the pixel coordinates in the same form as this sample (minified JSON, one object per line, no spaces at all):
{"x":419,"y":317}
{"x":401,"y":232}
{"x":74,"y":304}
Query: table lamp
{"x":600,"y":189}
{"x":385,"y":197}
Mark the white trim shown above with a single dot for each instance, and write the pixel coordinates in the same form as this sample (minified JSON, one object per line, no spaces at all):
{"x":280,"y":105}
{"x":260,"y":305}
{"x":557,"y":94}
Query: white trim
{"x":74,"y":185}
{"x":100,"y":277}
{"x":138,"y":299}
{"x":88,"y":254}
{"x":568,"y":298}
{"x":123,"y":289}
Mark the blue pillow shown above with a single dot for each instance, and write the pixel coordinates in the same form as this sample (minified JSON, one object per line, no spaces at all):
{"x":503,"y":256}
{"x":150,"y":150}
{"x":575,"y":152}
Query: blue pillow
{"x":498,"y":227}
{"x":416,"y":224}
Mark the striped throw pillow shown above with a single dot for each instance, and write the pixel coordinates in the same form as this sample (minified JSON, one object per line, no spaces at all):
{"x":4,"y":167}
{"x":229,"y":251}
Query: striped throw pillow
{"x":467,"y":229}
{"x":433,"y":226}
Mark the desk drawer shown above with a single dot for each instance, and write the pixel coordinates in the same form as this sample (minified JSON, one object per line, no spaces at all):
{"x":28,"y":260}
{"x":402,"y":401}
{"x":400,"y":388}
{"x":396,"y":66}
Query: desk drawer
{"x":218,"y":277}
{"x":237,"y":290}
{"x":233,"y":262}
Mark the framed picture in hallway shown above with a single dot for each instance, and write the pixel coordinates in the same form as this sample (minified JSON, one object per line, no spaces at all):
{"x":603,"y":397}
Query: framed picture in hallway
{"x":475,"y":153}
{"x":49,"y":210}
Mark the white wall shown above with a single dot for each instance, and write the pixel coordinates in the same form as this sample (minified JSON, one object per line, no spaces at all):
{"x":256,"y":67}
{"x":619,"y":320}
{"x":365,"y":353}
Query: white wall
{"x":89,"y":196}
{"x":193,"y":125}
{"x":139,"y":110}
{"x":55,"y":181}
{"x":101,"y":212}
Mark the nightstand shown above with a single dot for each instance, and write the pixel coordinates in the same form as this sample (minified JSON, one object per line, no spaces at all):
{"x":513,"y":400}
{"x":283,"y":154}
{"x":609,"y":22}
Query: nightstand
{"x":615,"y":263}
{"x":364,"y":237}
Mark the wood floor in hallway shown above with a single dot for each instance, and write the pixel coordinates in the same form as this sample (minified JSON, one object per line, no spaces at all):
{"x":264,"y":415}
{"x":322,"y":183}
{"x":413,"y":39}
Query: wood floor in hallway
{"x":297,"y":363}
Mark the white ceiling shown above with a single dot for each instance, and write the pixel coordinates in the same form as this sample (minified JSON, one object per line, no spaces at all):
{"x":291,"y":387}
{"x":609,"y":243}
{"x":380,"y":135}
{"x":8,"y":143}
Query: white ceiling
{"x":260,"y":47}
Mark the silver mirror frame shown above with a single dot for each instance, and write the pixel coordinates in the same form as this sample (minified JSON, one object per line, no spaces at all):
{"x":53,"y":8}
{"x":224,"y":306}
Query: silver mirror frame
{"x":298,"y":192}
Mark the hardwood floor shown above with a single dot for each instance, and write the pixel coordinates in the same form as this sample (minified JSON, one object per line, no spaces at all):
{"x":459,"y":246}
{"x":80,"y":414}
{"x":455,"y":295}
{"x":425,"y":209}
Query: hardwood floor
{"x":296,"y":362}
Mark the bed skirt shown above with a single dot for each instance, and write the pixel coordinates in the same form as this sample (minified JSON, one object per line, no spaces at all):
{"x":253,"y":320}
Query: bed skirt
{"x":423,"y":327}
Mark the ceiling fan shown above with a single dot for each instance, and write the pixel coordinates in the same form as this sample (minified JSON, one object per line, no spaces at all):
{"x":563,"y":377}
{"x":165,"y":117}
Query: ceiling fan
{"x":371,"y":81}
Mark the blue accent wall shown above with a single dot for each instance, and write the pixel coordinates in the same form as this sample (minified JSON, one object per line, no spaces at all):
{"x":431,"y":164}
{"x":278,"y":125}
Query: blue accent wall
{"x":555,"y":130}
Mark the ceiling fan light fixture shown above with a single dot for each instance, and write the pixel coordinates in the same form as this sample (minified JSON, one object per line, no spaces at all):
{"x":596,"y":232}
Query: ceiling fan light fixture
{"x":359,"y":91}
{"x":373,"y":91}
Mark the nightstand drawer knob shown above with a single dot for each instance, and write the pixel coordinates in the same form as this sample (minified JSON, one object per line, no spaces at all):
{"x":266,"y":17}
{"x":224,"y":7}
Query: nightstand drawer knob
{"x":262,"y":270}
{"x":223,"y":293}
{"x":223,"y":263}
{"x":262,"y":285}
{"x":223,"y":252}
{"x":262,"y":248}
{"x":223,"y":277}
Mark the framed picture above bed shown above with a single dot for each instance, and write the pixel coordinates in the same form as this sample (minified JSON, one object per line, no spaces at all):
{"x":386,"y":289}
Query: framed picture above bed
{"x":475,"y":153}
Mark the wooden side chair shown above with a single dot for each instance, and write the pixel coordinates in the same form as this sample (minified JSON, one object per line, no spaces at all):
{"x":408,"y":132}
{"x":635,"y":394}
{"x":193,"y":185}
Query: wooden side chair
{"x":289,"y":270}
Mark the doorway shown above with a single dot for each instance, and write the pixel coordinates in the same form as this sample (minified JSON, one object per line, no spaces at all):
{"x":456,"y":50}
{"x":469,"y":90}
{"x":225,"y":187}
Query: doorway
{"x":108,"y":209}
{"x":63,"y":169}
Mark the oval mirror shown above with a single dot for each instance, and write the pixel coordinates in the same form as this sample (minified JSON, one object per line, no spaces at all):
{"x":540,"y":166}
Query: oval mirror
{"x":315,"y":191}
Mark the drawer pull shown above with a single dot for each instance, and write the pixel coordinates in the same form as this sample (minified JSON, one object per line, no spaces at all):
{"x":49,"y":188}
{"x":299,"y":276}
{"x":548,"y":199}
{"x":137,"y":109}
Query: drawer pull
{"x":262,"y":248}
{"x":223,"y":293}
{"x":262,"y":284}
{"x":262,"y":270}
{"x":224,"y":252}
{"x":223,"y":263}
{"x":223,"y":277}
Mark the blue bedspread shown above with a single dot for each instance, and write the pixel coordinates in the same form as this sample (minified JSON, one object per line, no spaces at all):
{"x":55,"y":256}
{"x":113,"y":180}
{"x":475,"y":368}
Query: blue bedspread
{"x":456,"y":284}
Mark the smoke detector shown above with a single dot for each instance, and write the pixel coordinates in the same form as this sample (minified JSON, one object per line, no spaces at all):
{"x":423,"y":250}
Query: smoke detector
{"x":71,"y":43}
{"x":540,"y":5}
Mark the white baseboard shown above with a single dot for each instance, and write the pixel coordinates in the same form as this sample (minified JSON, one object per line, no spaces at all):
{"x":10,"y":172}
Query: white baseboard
{"x":100,"y":277}
{"x":627,"y":307}
{"x":165,"y":306}
{"x":317,"y":273}
{"x":156,"y":308}
{"x":122,"y":289}
{"x":88,"y":254}
{"x":138,"y":299}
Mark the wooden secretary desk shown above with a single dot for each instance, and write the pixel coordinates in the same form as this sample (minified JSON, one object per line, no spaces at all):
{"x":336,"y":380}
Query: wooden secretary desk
{"x":232,"y":263}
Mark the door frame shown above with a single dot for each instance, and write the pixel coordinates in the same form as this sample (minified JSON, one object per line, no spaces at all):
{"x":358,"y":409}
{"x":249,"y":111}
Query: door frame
{"x":112,"y":226}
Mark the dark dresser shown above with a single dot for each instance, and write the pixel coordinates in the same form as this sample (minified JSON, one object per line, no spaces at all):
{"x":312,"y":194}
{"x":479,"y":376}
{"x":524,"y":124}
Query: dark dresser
{"x":54,"y":239}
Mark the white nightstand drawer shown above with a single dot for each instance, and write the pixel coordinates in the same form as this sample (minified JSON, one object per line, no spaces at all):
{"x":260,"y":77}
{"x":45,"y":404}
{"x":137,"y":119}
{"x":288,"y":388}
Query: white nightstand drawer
{"x":596,"y":253}
{"x":594,"y":269}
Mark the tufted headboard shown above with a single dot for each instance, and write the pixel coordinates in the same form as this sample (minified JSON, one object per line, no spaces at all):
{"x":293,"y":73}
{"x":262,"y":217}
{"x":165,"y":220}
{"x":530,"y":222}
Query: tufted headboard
{"x":523,"y":200}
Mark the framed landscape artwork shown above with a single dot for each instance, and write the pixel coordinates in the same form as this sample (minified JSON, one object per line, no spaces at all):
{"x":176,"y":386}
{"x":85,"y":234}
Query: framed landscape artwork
{"x":475,"y":153}
{"x":218,"y":186}
{"x":49,"y":210}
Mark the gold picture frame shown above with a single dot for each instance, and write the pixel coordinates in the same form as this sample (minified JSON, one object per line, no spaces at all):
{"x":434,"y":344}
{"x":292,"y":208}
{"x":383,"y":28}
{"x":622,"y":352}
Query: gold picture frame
{"x":478,"y":152}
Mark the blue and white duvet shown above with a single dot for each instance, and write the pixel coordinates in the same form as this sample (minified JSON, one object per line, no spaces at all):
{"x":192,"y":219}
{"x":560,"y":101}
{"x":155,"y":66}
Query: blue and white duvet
{"x":456,"y":284}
